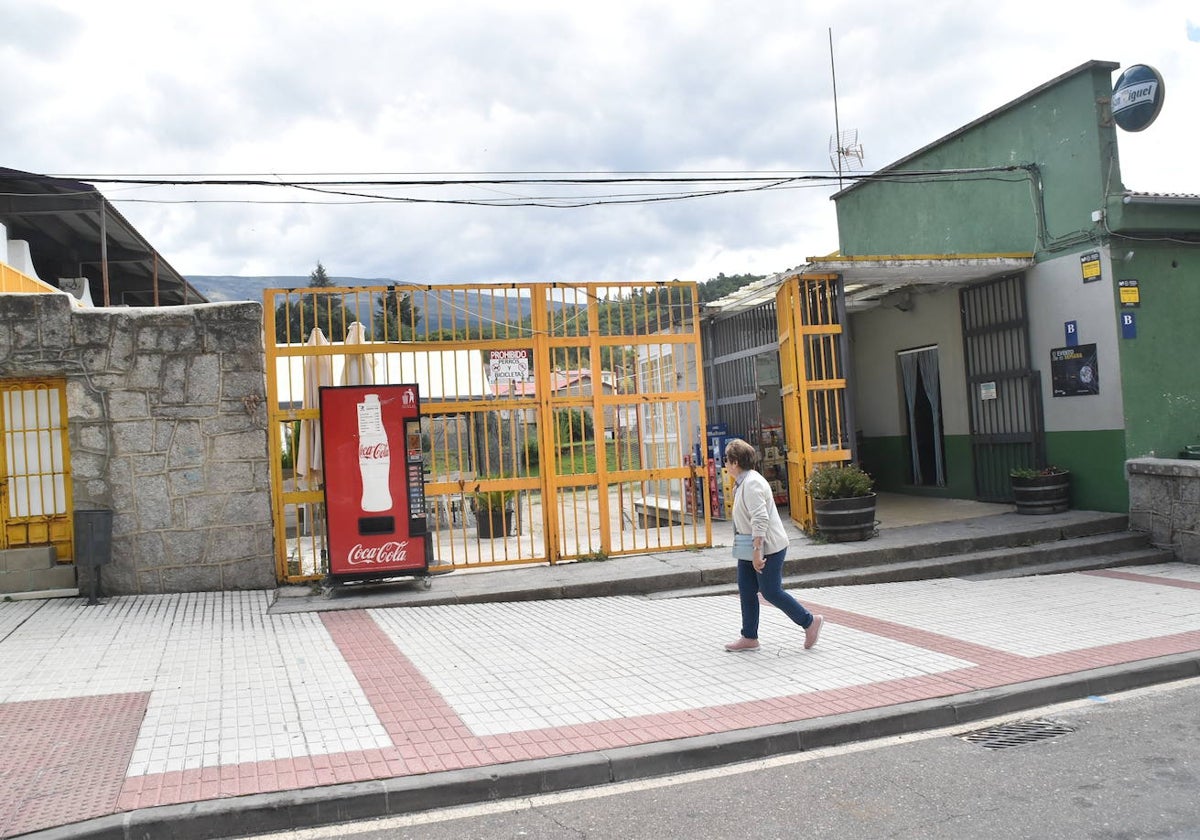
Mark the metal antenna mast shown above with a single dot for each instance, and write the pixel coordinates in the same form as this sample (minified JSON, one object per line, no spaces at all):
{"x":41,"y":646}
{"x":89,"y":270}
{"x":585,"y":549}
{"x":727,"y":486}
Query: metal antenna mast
{"x":837,"y":127}
{"x":845,"y":152}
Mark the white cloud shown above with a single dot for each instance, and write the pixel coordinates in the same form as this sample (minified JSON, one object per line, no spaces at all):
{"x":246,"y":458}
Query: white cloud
{"x":538,"y":85}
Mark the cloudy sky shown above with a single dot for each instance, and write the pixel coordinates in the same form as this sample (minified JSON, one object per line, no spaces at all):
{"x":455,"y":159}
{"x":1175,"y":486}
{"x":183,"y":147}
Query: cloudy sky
{"x":290,"y":90}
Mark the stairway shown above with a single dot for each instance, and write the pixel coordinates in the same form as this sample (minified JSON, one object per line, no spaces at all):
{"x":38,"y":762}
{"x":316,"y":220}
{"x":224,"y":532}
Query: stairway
{"x":1098,"y":541}
{"x":34,"y":573}
{"x":1101,"y":550}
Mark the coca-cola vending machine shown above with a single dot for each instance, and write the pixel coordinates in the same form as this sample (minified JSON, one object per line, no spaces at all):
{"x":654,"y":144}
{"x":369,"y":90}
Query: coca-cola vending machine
{"x":374,"y":483}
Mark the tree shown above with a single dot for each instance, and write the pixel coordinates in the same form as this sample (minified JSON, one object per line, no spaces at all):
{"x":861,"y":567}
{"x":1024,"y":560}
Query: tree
{"x":722,"y":285}
{"x":301,"y":311}
{"x":396,"y":318}
{"x":319,"y":279}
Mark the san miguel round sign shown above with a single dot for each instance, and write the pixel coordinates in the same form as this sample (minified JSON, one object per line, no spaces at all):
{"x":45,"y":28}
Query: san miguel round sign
{"x":1137,"y":97}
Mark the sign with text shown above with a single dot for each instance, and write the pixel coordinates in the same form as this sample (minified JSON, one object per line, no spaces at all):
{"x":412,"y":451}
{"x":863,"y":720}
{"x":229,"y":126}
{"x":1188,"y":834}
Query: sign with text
{"x":510,"y":365}
{"x":1089,"y":265}
{"x":1074,"y":372}
{"x":1130,"y":292}
{"x":1128,"y":325}
{"x":1137,"y":97}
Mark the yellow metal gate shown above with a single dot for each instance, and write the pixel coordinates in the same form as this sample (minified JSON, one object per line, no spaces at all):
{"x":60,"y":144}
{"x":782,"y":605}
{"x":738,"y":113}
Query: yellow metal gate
{"x":559,"y":422}
{"x":812,"y":362}
{"x":35,"y":480}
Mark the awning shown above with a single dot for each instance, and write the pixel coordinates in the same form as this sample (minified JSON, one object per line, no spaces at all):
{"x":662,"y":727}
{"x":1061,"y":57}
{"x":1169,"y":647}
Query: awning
{"x":872,"y":281}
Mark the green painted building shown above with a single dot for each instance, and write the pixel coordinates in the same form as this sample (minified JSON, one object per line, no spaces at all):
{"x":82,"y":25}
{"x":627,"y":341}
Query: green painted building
{"x":1011,"y":303}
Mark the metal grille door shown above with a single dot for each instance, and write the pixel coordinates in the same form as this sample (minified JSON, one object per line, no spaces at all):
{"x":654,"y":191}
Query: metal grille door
{"x":1004,"y":391}
{"x":568,"y":419}
{"x":35,"y":480}
{"x":812,"y":360}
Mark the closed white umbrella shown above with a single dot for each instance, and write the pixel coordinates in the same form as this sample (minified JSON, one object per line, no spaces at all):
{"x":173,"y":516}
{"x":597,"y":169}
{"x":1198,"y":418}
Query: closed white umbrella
{"x":360,"y":368}
{"x":318,"y":371}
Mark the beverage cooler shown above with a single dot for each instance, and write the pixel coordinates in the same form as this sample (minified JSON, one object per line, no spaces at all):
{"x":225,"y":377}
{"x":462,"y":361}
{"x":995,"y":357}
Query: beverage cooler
{"x":374,"y":483}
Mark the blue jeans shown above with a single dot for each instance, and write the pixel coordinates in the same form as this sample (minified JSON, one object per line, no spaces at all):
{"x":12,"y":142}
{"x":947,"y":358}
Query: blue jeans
{"x":770,"y":583}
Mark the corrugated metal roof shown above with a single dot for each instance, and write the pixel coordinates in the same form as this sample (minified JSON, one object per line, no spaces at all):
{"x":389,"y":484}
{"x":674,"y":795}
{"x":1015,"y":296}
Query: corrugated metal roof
{"x":62,"y":219}
{"x":1135,"y":197}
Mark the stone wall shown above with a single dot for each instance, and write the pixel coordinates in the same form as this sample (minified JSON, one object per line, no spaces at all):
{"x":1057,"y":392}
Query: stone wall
{"x":1164,"y":500}
{"x":167,"y":428}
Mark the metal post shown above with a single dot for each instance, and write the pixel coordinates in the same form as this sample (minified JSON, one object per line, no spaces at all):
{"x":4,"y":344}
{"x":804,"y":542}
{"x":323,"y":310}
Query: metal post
{"x":104,"y":249}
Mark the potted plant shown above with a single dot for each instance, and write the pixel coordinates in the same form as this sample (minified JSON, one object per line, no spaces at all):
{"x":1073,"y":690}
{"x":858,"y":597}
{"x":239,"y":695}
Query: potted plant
{"x":843,"y":502}
{"x":1041,"y":490}
{"x":493,"y":511}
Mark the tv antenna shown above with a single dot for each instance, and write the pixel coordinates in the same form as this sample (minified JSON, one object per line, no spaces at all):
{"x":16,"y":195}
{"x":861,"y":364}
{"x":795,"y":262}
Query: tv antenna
{"x":845,"y":152}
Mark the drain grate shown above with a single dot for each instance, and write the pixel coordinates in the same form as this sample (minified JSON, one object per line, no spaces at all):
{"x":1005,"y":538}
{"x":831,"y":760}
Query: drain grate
{"x":1015,"y":734}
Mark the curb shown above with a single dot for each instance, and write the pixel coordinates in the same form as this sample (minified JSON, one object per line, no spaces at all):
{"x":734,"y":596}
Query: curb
{"x":333,"y":804}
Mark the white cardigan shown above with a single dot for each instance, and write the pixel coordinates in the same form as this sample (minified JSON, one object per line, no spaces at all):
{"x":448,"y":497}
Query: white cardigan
{"x":754,"y":512}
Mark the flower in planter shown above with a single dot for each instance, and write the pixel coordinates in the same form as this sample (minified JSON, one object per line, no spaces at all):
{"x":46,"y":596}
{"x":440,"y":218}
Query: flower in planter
{"x":493,"y":499}
{"x":1035,"y":472}
{"x":839,"y":481}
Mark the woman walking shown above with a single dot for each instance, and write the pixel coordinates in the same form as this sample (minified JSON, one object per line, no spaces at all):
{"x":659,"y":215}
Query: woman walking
{"x":754,"y":513}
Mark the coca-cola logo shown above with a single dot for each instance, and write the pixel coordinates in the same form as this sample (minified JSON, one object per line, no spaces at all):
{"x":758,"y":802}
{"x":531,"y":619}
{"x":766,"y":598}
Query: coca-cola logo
{"x":374,"y":451}
{"x":380,"y":555}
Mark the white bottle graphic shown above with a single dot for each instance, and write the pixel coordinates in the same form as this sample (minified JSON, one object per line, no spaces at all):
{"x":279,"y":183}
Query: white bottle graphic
{"x":374,"y":456}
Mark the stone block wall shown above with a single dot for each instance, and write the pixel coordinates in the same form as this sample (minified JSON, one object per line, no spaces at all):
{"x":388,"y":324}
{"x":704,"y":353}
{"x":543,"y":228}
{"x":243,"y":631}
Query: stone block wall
{"x":1164,"y":500}
{"x":167,"y":428}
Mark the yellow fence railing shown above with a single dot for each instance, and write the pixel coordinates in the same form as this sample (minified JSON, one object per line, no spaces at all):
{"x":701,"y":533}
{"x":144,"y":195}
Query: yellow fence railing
{"x":559,"y":422}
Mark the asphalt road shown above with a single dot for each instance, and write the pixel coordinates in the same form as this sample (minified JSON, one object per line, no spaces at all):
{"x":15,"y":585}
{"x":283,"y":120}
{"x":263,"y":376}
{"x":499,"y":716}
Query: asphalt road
{"x":1130,"y":768}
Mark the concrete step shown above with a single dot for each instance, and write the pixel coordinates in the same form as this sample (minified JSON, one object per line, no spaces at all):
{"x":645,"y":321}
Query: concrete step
{"x":40,"y":595}
{"x":1148,"y":556}
{"x":1093,"y":551}
{"x":25,"y":559}
{"x":881,"y":552}
{"x":35,"y":580}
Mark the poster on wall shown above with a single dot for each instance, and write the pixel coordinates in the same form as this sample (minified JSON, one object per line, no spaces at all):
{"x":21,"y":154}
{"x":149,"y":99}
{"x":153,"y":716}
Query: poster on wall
{"x":1074,"y":372}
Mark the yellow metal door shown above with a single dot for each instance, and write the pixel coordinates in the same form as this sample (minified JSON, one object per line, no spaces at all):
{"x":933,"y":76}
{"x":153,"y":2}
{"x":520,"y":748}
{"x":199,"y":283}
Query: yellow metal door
{"x":587,"y":451}
{"x":812,"y":362}
{"x":35,"y":480}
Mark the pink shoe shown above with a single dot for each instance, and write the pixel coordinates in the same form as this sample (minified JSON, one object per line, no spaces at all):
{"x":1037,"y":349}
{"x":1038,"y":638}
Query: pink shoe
{"x":813,"y":631}
{"x":742,"y":644}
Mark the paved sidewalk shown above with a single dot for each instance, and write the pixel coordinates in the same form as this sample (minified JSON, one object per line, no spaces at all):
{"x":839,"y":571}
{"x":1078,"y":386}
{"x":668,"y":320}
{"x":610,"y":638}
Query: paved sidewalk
{"x":206,"y":714}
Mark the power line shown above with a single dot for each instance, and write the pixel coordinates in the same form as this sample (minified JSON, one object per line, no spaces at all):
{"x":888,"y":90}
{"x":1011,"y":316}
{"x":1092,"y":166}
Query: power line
{"x":352,"y":188}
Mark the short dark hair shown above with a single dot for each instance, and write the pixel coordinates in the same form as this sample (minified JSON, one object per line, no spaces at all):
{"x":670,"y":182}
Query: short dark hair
{"x":741,"y":453}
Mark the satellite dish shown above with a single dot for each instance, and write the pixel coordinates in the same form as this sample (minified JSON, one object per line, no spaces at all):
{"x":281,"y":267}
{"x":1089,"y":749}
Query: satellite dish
{"x":845,"y":152}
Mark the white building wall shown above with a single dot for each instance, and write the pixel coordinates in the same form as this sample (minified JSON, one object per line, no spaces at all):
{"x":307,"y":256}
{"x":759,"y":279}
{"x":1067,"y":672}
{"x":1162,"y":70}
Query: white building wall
{"x":1057,"y":294}
{"x":877,"y":335}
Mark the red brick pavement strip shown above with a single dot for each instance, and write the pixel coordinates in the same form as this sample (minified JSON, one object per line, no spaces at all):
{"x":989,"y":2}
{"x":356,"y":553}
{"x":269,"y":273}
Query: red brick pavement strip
{"x":430,"y":737}
{"x":65,"y":759}
{"x":1133,"y":576}
{"x":947,"y":645}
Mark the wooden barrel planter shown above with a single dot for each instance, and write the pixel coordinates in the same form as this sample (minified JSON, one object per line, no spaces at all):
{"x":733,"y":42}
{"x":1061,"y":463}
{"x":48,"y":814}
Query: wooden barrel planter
{"x":1042,"y":494}
{"x":845,"y":520}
